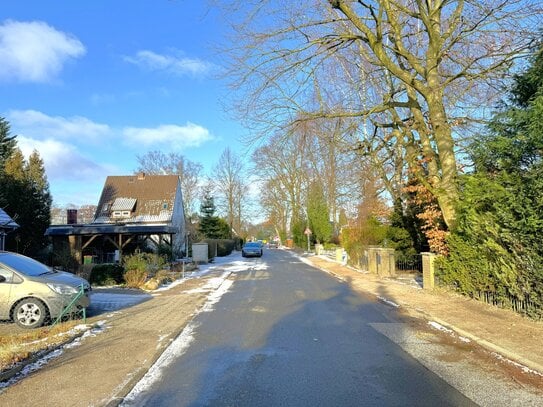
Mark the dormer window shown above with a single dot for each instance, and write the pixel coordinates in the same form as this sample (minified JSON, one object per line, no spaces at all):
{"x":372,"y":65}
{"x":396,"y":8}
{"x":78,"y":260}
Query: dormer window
{"x":122,"y":208}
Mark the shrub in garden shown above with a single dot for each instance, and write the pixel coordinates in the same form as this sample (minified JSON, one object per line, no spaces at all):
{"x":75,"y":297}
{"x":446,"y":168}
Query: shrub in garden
{"x":140,"y":266}
{"x":106,"y":274}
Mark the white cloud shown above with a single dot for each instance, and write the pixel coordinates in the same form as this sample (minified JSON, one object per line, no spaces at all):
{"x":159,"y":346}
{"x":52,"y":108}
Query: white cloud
{"x":175,"y":64}
{"x":38,"y":125}
{"x":173,"y":136}
{"x":62,"y":160}
{"x":34,"y":51}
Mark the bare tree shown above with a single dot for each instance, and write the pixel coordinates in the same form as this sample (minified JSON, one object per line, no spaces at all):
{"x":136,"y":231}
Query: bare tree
{"x":230,"y":183}
{"x":283,"y":166}
{"x":440,"y":58}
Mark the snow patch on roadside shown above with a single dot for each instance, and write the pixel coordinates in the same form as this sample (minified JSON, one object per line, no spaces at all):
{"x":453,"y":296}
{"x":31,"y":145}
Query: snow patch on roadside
{"x":525,"y":369}
{"x":226,"y":263}
{"x":179,"y":345}
{"x":389,"y":302}
{"x":440,"y":327}
{"x":176,"y":348}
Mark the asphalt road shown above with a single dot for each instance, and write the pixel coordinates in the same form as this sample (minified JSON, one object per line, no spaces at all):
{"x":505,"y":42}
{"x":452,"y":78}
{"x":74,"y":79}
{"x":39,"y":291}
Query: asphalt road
{"x":287,"y":334}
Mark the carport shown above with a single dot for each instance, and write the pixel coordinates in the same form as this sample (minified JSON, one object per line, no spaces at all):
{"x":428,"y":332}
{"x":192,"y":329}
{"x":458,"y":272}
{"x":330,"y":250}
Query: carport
{"x":96,"y":238}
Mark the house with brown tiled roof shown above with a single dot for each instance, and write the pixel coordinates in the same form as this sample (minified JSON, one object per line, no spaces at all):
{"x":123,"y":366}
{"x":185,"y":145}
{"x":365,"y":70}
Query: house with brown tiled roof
{"x":134,"y":212}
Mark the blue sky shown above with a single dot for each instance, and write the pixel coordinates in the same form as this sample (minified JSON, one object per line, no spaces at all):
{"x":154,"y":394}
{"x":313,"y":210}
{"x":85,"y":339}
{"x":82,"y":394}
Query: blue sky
{"x":93,"y":84}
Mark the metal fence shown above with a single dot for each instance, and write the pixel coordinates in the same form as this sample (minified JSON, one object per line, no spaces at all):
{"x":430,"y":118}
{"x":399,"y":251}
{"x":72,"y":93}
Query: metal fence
{"x":409,"y":264}
{"x":507,"y":301}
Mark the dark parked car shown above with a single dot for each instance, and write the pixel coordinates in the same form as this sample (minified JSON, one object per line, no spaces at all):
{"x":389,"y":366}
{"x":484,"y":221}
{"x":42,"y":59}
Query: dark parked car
{"x":251,"y":249}
{"x":32,"y":293}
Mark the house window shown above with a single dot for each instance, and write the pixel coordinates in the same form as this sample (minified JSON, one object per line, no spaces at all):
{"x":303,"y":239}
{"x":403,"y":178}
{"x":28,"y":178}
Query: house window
{"x":126,"y":213}
{"x":165,"y":205}
{"x":117,"y":214}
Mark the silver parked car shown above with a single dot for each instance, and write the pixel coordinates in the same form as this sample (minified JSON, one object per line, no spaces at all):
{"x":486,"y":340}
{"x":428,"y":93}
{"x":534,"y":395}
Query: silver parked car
{"x":252,"y":249}
{"x":32,"y":293}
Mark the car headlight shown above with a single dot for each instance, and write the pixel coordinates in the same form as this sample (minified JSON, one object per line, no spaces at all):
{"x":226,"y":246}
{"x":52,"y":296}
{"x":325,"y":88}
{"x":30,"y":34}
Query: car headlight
{"x":62,"y":289}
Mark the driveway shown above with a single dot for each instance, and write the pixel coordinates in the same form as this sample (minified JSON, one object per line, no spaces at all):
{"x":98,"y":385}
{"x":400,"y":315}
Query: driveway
{"x":104,"y":300}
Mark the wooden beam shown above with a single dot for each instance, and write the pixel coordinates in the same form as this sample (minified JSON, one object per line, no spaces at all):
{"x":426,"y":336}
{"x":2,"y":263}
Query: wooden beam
{"x":89,"y":241}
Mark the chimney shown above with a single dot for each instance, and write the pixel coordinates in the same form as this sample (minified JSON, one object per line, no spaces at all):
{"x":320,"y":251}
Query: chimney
{"x":141,"y":176}
{"x":71,"y":216}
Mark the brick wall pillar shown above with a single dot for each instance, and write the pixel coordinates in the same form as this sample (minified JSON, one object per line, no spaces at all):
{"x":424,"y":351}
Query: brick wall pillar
{"x":428,"y":270}
{"x":387,"y":265}
{"x":373,"y":259}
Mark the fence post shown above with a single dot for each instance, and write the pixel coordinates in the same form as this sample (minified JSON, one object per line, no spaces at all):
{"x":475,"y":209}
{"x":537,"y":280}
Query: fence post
{"x":428,"y":270}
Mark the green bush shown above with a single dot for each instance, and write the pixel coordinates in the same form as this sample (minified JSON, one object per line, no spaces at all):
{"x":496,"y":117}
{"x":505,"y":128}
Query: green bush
{"x":224,"y":247}
{"x":106,"y":274}
{"x":492,"y":251}
{"x":139,"y":266}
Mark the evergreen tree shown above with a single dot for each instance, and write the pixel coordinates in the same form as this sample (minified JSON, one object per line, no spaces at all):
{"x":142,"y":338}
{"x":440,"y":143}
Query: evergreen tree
{"x":211,"y":226}
{"x":7,"y":142}
{"x":26,"y":196}
{"x":496,"y":246}
{"x":318,"y":214}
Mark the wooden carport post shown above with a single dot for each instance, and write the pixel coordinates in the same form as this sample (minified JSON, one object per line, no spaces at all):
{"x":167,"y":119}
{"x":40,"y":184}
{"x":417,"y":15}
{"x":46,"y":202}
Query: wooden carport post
{"x":74,"y":241}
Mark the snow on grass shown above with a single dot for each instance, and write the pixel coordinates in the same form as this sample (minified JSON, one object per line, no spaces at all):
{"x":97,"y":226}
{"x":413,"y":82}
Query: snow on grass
{"x":42,"y":361}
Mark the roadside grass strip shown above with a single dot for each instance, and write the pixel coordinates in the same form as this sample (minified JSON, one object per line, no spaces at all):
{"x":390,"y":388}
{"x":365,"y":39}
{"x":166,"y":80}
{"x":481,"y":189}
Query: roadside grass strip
{"x":44,"y":356}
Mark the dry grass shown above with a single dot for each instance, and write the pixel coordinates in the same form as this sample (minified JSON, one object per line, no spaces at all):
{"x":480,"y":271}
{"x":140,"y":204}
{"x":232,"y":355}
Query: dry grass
{"x":19,"y":346}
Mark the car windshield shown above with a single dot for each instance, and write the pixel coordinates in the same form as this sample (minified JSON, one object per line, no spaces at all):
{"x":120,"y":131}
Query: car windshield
{"x":252,"y":244}
{"x":24,"y":265}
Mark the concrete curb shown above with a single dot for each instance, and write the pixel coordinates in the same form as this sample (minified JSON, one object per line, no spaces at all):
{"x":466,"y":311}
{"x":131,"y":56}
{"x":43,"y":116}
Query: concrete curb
{"x":512,"y":356}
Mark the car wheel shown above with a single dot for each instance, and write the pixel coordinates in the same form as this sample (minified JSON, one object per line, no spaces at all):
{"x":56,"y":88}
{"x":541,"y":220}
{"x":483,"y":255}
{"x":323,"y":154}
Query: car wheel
{"x":30,"y":313}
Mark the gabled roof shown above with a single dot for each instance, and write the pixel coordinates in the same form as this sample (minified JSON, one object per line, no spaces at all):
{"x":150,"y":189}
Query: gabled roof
{"x":6,"y":222}
{"x":147,"y":199}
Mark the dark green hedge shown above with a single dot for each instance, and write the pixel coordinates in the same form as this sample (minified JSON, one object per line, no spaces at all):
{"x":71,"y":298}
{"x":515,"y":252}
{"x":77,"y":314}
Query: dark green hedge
{"x":222,"y":247}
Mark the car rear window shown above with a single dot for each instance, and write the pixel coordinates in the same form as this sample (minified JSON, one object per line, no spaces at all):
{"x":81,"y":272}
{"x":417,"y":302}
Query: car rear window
{"x":252,"y":244}
{"x":24,"y":265}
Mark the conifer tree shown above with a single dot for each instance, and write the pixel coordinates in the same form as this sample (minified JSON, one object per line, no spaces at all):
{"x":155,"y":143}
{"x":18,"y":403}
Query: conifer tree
{"x":26,"y":196}
{"x":7,"y":142}
{"x":211,"y":226}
